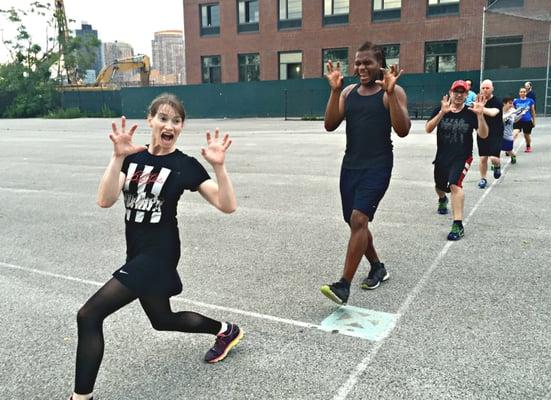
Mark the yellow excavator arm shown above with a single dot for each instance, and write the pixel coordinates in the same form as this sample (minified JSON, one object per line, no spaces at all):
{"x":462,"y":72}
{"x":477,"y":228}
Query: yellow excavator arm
{"x":141,"y":62}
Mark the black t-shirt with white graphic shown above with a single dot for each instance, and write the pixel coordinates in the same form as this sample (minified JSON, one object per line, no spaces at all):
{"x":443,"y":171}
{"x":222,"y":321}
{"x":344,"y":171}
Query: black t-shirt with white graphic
{"x":154,"y":185}
{"x":454,"y":135}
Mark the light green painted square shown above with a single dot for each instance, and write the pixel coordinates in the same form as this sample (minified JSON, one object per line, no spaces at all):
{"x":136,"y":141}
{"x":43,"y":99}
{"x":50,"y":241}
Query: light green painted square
{"x":360,"y":322}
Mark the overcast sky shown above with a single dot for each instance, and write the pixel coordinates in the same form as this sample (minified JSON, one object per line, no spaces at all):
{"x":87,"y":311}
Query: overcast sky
{"x":129,"y":21}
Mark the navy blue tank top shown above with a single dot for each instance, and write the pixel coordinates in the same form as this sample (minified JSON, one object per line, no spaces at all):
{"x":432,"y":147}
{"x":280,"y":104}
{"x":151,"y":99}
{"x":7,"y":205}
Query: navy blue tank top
{"x":368,"y":142}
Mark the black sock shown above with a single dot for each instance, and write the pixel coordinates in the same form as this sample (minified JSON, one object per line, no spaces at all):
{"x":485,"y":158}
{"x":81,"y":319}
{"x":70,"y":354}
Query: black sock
{"x":345,"y":282}
{"x":458,"y":222}
{"x":375,"y":264}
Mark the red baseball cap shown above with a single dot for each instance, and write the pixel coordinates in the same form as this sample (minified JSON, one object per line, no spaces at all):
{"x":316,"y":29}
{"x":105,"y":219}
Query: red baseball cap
{"x":459,"y":84}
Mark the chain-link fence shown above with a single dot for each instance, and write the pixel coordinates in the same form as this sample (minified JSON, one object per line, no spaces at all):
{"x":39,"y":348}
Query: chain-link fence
{"x":516,"y":40}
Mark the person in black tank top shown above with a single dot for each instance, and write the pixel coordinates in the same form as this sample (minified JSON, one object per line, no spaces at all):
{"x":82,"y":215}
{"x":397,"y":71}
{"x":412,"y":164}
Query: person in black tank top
{"x":153,"y":179}
{"x":371,"y":109}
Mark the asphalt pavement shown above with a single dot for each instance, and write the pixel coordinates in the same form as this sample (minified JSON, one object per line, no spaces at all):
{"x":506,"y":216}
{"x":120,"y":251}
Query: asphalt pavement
{"x":457,"y":320}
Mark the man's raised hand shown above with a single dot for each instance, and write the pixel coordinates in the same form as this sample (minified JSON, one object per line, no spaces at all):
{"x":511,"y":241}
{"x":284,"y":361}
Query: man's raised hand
{"x":478,"y":105}
{"x":445,"y":104}
{"x":334,"y":76}
{"x":390,"y":76}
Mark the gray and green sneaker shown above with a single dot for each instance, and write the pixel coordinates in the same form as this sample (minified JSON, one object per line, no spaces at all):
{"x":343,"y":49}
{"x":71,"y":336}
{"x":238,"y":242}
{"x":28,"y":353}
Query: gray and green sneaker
{"x":456,"y":233}
{"x":443,"y":206}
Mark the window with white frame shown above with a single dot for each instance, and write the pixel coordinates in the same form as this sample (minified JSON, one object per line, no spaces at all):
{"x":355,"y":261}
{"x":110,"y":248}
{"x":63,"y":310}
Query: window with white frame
{"x":339,"y":56}
{"x":290,"y":65}
{"x":211,"y":69}
{"x":335,"y":11}
{"x":441,"y":56}
{"x":384,"y":10}
{"x":210,"y":19}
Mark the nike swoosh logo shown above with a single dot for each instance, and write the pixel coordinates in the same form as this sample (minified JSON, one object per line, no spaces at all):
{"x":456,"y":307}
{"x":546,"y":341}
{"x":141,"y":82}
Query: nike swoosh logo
{"x":123,"y":272}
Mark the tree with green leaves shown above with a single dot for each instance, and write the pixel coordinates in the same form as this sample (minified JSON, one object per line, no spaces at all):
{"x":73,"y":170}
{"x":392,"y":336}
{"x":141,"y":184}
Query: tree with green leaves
{"x":28,"y":81}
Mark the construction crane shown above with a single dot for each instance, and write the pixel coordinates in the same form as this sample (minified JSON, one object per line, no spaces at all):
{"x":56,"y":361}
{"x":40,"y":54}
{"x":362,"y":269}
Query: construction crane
{"x":63,"y":38}
{"x":140,"y":61}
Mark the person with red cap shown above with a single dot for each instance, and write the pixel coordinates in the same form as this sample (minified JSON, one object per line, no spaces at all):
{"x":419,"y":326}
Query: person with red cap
{"x":455,"y":124}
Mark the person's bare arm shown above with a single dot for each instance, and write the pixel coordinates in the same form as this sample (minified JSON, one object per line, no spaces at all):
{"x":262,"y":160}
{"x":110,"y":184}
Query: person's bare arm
{"x":395,"y":100}
{"x":113,"y":179}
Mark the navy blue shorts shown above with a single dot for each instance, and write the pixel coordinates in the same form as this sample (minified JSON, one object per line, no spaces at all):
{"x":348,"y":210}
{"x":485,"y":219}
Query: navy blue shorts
{"x":363,"y":189}
{"x":506,"y":145}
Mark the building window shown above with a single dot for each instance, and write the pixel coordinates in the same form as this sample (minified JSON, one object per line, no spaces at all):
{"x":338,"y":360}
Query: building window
{"x":442,"y":7}
{"x":290,"y":65}
{"x":385,"y":10}
{"x":505,"y":3}
{"x":336,"y":56}
{"x":290,"y":14}
{"x":392,"y":53}
{"x":249,"y":67}
{"x":211,"y":69}
{"x":247,"y":15}
{"x":503,"y":52}
{"x":210,"y":19}
{"x":335,"y":11}
{"x":440,"y":56}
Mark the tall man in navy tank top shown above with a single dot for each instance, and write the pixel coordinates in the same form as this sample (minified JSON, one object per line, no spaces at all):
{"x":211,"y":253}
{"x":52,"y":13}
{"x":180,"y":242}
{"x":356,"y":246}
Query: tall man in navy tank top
{"x":455,"y":124}
{"x":371,"y":109}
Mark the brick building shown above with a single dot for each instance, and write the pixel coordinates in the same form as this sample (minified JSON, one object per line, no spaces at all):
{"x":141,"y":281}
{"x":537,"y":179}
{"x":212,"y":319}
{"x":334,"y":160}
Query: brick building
{"x":243,"y":40}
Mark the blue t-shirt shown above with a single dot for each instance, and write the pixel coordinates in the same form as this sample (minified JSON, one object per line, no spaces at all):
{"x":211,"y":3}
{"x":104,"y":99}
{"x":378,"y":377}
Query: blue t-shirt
{"x":471,"y":98}
{"x":521,"y":104}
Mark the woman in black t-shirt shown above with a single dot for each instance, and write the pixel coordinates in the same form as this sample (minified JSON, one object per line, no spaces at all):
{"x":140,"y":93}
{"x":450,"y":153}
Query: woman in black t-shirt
{"x":152,"y":179}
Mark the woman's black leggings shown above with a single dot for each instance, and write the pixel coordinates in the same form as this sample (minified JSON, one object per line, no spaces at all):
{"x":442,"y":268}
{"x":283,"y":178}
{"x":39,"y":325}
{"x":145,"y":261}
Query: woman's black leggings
{"x":110,"y":298}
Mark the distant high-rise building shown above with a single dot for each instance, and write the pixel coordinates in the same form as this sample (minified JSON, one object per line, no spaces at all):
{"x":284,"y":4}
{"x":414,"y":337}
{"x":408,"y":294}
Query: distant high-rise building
{"x":168,"y":55}
{"x":86,"y":31}
{"x":115,"y":51}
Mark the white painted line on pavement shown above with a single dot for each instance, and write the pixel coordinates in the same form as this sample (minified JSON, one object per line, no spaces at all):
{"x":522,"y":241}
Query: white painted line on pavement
{"x":179,"y":299}
{"x":345,"y":389}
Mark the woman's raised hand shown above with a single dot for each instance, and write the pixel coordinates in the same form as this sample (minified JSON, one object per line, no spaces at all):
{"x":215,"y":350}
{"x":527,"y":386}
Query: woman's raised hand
{"x":122,"y":140}
{"x":216,"y":150}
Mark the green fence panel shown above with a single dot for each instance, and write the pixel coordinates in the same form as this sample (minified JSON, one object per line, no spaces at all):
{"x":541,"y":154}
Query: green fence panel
{"x":92,"y":102}
{"x":301,"y":98}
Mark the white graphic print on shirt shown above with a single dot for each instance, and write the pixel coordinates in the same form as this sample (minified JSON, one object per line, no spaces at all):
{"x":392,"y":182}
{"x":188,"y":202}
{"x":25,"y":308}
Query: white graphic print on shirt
{"x":144,"y":200}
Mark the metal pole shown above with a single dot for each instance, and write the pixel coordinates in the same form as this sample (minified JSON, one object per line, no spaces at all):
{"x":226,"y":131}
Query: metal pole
{"x":482,"y":47}
{"x":547,"y":75}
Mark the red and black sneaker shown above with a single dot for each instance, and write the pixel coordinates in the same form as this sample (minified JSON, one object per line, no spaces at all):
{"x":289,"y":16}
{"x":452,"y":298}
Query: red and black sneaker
{"x":224,"y":343}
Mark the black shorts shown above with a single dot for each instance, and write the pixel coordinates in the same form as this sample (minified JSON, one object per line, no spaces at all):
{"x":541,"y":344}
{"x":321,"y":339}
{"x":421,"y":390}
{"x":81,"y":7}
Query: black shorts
{"x":451,"y":173}
{"x":524,"y":126}
{"x":363,"y":189}
{"x":491,"y":146}
{"x":153,"y":253}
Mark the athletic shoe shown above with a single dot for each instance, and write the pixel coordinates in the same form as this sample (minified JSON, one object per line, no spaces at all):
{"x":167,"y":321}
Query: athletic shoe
{"x":443,"y":206}
{"x":482,"y":184}
{"x":513,"y":159}
{"x":456,"y":233}
{"x":497,"y":172}
{"x":376,"y":276}
{"x":528,"y":150}
{"x":71,"y":398}
{"x":224,"y":343}
{"x":338,"y":292}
